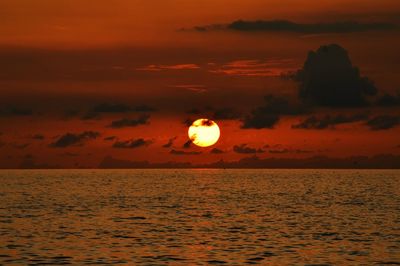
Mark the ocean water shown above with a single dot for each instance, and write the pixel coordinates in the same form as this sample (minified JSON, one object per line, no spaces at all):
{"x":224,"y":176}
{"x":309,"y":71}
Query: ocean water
{"x":200,"y":217}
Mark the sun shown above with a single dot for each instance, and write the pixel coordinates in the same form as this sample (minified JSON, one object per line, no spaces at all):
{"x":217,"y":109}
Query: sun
{"x":204,"y":132}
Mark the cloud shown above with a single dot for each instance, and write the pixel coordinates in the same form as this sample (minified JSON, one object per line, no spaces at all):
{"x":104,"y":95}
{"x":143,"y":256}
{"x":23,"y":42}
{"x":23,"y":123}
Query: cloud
{"x":187,"y":144}
{"x":328,"y":121}
{"x":38,"y":137}
{"x":304,"y":28}
{"x":125,"y":122}
{"x":90,"y":116}
{"x":255,"y":68}
{"x":328,"y":78}
{"x":217,"y":151}
{"x":131,"y":144}
{"x":110,"y":138}
{"x":143,"y":108}
{"x":188,"y":122}
{"x":179,"y":152}
{"x":169,"y":143}
{"x":226,"y":114}
{"x":16,"y":111}
{"x":268,"y":115}
{"x":382,"y":122}
{"x":192,"y":87}
{"x":169,"y":67}
{"x":71,"y":139}
{"x":388,"y":100}
{"x":243,"y":148}
{"x":111,"y":108}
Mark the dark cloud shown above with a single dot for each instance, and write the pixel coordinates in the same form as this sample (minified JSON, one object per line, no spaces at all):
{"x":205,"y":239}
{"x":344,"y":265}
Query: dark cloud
{"x":143,"y":108}
{"x":328,"y":78}
{"x":169,"y":143}
{"x":207,"y":122}
{"x":243,"y":148}
{"x":388,"y":100}
{"x":16,"y":111}
{"x":187,"y":144}
{"x":110,"y":138}
{"x":179,"y":152}
{"x":126,"y":122}
{"x":382,"y":122}
{"x":329,"y":121}
{"x":216,"y":151}
{"x":290,"y":26}
{"x":90,"y":116}
{"x":188,"y":122}
{"x":71,"y":139}
{"x":193,"y":111}
{"x":226,"y":114}
{"x":38,"y":137}
{"x":268,"y":115}
{"x":131,"y":144}
{"x":111,"y":108}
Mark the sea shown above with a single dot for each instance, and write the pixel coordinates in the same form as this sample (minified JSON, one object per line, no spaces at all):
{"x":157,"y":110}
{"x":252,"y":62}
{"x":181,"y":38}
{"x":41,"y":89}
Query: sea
{"x":200,"y":217}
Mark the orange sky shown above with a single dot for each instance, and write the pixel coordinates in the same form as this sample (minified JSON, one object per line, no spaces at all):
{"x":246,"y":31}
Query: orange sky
{"x":61,"y":59}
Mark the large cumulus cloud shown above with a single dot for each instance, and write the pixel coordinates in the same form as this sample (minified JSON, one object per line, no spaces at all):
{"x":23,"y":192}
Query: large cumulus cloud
{"x":328,"y":78}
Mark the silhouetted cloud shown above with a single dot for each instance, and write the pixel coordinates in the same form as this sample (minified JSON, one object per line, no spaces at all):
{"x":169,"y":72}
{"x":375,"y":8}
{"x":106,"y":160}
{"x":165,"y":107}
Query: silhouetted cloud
{"x":134,"y":143}
{"x":328,"y":78}
{"x":111,"y":108}
{"x":90,"y":116}
{"x":243,"y":148}
{"x":382,"y":122}
{"x":268,"y":115}
{"x":179,"y":152}
{"x":197,"y":88}
{"x":126,"y":122}
{"x":328,"y":121}
{"x":226,"y":114}
{"x":217,"y":151}
{"x":38,"y":137}
{"x":110,"y":138}
{"x":169,"y":143}
{"x":285,"y":25}
{"x":188,"y":122}
{"x":143,"y":108}
{"x":16,"y":111}
{"x":71,"y":139}
{"x":388,"y":100}
{"x":289,"y":26}
{"x":187,"y":144}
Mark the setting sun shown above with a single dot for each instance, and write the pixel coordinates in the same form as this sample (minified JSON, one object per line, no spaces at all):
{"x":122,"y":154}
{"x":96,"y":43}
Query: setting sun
{"x":204,"y":132}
